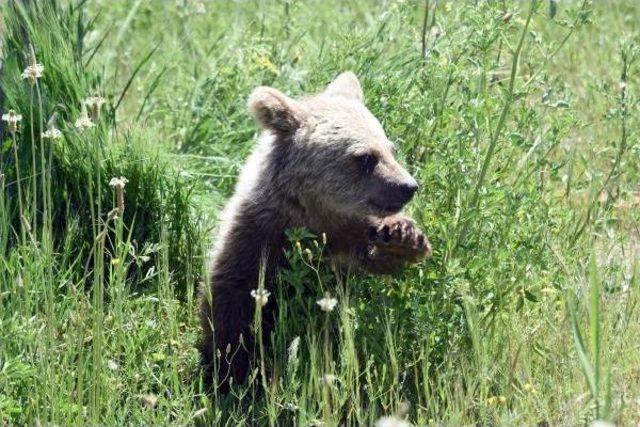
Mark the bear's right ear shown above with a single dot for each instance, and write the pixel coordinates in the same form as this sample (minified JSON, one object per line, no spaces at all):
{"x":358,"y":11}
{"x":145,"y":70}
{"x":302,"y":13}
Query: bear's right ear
{"x":275,"y":111}
{"x":347,"y":85}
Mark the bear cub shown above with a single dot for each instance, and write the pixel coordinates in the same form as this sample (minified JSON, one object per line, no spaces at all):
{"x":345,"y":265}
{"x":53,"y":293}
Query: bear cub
{"x":322,"y":162}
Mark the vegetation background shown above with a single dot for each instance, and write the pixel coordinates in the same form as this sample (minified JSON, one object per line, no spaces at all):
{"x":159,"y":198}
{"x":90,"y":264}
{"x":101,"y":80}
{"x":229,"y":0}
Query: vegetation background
{"x":519,"y":119}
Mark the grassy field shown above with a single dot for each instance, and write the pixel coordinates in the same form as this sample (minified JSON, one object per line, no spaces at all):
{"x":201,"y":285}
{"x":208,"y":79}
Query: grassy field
{"x":520,"y":120}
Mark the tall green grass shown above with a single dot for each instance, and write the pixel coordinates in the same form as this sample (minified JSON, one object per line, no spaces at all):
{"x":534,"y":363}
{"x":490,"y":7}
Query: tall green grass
{"x":521,"y":132}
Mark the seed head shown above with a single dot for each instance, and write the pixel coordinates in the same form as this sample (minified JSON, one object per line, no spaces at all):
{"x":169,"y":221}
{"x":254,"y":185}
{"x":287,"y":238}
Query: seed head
{"x":84,"y":122}
{"x":12,"y":120}
{"x":328,"y":303}
{"x":293,"y":349}
{"x":261,"y":296}
{"x":34,"y":70}
{"x":309,"y":255}
{"x":118,"y":184}
{"x":94,"y":104}
{"x":52,"y":131}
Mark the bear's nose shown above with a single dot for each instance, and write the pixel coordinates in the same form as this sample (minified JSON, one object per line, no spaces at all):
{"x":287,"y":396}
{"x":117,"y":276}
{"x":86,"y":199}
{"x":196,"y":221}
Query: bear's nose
{"x":408,"y":190}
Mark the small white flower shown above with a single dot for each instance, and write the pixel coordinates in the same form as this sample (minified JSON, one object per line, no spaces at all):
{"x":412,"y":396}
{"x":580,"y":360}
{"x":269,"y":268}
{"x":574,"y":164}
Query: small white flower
{"x":118,"y":182}
{"x":112,"y":365}
{"x":328,"y":303}
{"x":149,"y":400}
{"x":261,"y":296}
{"x":12,"y":119}
{"x":84,"y":122}
{"x":329,"y":379}
{"x":52,"y":132}
{"x":118,"y":185}
{"x":32,"y":73}
{"x":94,"y":100}
{"x":293,"y":349}
{"x":199,"y":8}
{"x":392,"y":421}
{"x":94,"y":104}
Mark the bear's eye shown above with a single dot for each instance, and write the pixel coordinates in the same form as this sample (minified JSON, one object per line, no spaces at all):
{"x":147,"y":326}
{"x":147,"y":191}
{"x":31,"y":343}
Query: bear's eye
{"x":368,"y":162}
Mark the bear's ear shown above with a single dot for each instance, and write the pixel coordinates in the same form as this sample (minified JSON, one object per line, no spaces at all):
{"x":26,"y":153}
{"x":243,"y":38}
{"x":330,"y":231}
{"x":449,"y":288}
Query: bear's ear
{"x":347,"y":85}
{"x":275,"y":111}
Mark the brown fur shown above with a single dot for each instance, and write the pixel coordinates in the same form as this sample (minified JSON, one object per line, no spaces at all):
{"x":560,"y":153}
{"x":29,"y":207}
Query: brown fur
{"x":323,"y":163}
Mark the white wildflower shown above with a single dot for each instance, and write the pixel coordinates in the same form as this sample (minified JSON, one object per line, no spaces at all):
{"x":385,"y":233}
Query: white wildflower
{"x":118,"y":182}
{"x":34,"y":70}
{"x":392,"y":421}
{"x":84,"y":122}
{"x":12,"y":119}
{"x":293,"y":349}
{"x":112,"y":365}
{"x":149,"y":400}
{"x":328,"y":303}
{"x":199,"y":8}
{"x":329,"y":379}
{"x":94,"y":104}
{"x":261,"y":296}
{"x":52,"y":132}
{"x":33,"y":73}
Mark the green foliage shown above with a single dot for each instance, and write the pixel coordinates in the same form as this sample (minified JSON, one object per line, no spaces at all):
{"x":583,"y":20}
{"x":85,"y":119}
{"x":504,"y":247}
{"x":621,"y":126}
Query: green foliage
{"x":519,"y":119}
{"x":78,"y":167}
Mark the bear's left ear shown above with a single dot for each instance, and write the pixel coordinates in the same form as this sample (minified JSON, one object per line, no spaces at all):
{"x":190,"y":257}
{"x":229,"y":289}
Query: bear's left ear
{"x":347,"y":85}
{"x":275,"y":111}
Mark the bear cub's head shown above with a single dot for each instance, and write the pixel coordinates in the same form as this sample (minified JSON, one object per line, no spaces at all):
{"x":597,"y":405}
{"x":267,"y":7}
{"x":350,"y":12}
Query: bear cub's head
{"x":332,"y":152}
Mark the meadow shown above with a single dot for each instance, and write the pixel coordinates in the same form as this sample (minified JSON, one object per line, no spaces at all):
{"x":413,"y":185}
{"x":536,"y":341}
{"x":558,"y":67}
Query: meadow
{"x":124,"y":125}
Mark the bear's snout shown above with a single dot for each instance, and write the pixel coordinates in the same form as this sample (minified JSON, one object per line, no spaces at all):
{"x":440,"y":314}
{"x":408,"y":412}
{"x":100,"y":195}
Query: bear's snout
{"x":407,"y":190}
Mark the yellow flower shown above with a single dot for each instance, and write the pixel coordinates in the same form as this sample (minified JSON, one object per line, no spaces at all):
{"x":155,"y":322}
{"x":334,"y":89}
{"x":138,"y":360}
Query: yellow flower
{"x":264,"y":62}
{"x":496,"y":400}
{"x":530,"y":388}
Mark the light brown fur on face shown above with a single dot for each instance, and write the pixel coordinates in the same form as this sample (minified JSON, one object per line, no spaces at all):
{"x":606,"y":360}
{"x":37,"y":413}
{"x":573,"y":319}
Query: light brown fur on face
{"x":323,"y":163}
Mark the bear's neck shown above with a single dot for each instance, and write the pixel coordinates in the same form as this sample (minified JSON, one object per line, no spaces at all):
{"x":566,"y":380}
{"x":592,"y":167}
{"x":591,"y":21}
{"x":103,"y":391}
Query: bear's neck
{"x":254,"y":222}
